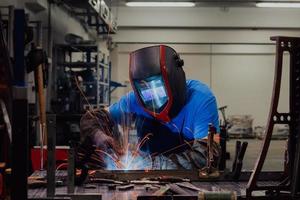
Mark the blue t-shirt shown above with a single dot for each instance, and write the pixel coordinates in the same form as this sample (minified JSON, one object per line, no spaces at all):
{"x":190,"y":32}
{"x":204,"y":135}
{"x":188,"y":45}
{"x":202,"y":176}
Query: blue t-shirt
{"x":199,"y":111}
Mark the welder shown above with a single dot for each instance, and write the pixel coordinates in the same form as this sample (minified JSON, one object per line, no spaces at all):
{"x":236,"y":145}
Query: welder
{"x":172,"y":112}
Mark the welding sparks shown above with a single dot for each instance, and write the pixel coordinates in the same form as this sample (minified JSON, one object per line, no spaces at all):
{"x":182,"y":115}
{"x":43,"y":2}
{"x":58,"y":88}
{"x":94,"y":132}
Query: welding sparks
{"x":124,"y":154}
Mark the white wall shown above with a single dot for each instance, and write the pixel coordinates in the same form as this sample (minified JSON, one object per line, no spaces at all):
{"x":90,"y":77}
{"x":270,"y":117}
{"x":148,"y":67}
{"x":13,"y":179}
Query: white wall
{"x":229,"y":51}
{"x":208,"y":17}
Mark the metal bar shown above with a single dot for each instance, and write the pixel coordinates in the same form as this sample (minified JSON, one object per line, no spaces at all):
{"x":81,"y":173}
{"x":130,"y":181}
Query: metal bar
{"x":71,"y":170}
{"x":270,"y":125}
{"x":292,"y":171}
{"x":223,"y":138}
{"x":20,"y":113}
{"x":51,"y":70}
{"x":51,"y":160}
{"x":109,"y":83}
{"x":19,"y":145}
{"x":85,"y":196}
{"x":295,"y":113}
{"x":10,"y":29}
{"x":98,"y":75}
{"x":19,"y":31}
{"x":193,"y":175}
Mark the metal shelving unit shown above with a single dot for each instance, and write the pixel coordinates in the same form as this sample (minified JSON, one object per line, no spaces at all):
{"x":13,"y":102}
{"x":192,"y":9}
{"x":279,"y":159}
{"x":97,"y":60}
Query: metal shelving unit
{"x":89,"y":63}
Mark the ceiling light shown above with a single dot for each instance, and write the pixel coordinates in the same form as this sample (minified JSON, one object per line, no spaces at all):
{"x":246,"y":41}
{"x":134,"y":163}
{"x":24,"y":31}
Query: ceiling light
{"x":278,"y":5}
{"x":159,"y":4}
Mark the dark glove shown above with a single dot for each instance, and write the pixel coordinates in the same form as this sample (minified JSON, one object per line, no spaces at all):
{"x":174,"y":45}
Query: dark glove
{"x":98,"y":137}
{"x":195,"y":156}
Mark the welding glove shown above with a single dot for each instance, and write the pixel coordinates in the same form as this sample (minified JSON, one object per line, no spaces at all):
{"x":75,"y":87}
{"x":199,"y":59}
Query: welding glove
{"x":98,"y":137}
{"x":194,"y":157}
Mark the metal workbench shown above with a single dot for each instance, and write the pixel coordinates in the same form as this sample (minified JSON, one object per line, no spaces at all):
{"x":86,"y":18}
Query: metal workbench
{"x":102,"y":191}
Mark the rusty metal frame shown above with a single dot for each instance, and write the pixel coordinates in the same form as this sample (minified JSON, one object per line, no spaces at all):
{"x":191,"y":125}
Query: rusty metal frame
{"x":290,"y":181}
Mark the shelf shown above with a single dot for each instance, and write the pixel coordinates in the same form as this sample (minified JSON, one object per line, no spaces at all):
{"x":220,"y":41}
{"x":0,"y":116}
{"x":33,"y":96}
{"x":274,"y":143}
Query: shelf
{"x":77,"y":64}
{"x":94,"y":14}
{"x":68,"y":56}
{"x":78,"y":47}
{"x":82,"y":64}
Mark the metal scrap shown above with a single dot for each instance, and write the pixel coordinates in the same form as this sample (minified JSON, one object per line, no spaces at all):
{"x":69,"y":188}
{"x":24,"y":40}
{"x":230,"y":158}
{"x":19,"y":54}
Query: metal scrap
{"x":144,"y":182}
{"x":103,"y":180}
{"x":126,"y":187}
{"x":189,"y":186}
{"x":178,"y":190}
{"x":171,"y":179}
{"x":161,"y":191}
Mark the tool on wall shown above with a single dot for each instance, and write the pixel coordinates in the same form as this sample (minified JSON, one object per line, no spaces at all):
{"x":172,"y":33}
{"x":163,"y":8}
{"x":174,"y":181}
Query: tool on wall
{"x":36,"y":61}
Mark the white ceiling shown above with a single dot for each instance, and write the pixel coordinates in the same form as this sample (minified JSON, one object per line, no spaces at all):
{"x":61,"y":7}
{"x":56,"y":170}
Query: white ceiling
{"x":207,"y":3}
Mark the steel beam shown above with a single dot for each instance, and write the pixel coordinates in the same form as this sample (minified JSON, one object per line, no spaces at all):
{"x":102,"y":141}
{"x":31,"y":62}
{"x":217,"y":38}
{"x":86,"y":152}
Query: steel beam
{"x":51,"y":160}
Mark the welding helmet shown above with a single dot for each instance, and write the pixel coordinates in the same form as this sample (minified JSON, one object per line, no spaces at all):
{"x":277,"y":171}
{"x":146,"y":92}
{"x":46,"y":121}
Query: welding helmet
{"x":158,"y":81}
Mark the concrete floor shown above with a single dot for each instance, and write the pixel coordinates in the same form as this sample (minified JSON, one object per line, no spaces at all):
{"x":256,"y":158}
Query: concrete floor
{"x":274,"y":160}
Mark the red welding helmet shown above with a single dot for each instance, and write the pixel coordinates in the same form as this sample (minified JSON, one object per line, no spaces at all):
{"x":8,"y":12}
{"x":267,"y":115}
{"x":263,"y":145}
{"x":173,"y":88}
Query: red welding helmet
{"x":158,"y":81}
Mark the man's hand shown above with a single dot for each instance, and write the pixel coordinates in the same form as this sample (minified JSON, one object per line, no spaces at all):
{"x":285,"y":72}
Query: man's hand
{"x":99,"y":137}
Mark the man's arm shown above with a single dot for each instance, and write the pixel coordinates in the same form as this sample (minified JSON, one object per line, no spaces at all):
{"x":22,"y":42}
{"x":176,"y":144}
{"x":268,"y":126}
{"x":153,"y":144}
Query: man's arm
{"x":206,"y":114}
{"x":122,"y":111}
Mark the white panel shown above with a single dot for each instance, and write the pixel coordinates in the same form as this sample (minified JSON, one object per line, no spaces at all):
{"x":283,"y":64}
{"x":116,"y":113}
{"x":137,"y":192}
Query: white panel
{"x":180,"y":48}
{"x":208,"y":17}
{"x":199,"y":36}
{"x":243,"y":49}
{"x":197,"y":67}
{"x":123,"y":74}
{"x":244,"y":83}
{"x":283,"y":104}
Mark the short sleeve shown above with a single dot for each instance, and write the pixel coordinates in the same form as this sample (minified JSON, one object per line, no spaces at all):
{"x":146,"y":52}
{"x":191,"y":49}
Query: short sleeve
{"x":207,"y":113}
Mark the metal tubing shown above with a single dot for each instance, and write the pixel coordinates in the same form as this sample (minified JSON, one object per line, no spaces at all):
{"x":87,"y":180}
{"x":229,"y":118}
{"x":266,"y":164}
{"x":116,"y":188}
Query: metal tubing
{"x":20,"y":113}
{"x":71,"y":170}
{"x":51,"y":160}
{"x":292,"y":178}
{"x":20,"y":146}
{"x":10,"y":29}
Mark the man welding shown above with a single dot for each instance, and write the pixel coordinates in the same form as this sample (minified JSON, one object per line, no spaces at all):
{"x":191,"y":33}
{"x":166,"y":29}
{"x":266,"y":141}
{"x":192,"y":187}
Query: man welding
{"x":171,"y":112}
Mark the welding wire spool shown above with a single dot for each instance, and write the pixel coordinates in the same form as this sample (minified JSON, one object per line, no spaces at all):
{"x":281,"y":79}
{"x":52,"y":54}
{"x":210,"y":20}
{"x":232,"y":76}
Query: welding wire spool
{"x":217,"y":196}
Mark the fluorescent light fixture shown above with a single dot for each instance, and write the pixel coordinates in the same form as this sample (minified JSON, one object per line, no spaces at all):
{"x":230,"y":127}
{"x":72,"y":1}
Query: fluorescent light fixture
{"x":278,"y":5}
{"x":159,"y":4}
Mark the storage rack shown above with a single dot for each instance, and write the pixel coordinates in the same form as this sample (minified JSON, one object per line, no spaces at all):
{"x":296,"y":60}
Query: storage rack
{"x":70,"y":59}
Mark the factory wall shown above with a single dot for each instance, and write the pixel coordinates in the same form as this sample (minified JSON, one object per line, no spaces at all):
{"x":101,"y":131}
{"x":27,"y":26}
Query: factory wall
{"x":223,"y":50}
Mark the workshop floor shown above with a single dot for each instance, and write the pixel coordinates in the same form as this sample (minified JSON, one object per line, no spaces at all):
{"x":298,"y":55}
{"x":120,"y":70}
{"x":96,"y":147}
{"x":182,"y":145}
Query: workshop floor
{"x":274,"y":160}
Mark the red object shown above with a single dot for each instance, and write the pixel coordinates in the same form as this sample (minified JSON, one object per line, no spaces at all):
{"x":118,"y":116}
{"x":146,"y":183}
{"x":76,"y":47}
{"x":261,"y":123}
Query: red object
{"x":61,"y":154}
